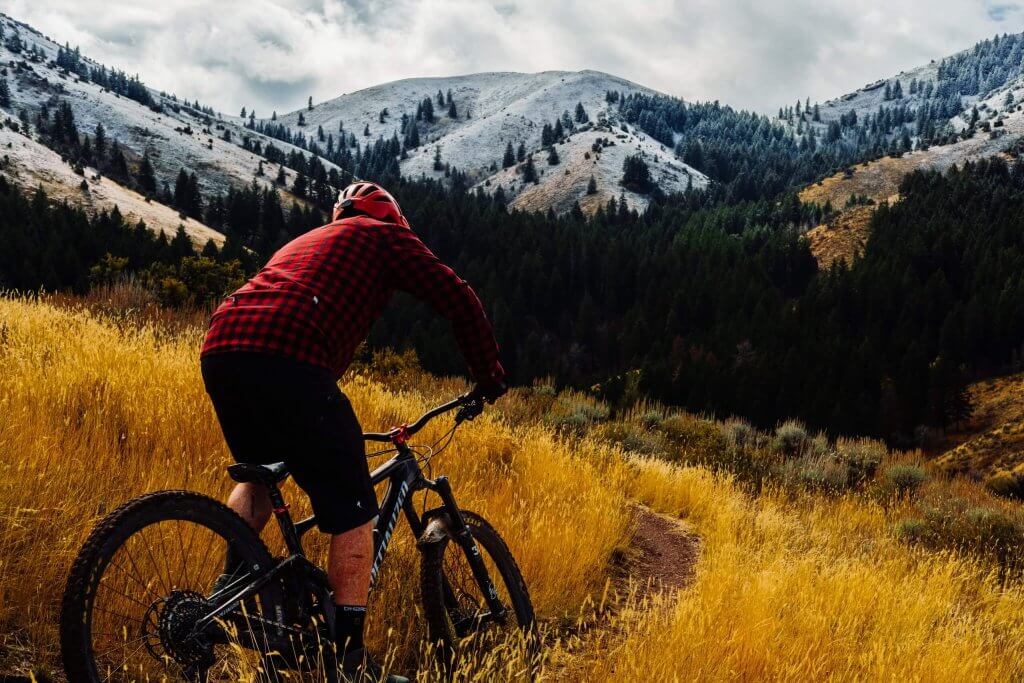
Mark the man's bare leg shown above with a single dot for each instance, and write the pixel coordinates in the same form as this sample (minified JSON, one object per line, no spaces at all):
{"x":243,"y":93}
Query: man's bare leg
{"x":348,"y":570}
{"x":252,"y":503}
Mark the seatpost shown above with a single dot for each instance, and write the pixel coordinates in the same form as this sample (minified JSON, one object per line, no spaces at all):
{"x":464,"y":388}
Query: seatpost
{"x":284,"y":520}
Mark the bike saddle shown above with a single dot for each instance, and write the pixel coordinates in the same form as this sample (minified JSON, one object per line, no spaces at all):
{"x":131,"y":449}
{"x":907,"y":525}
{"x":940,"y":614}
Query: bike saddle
{"x":251,"y":473}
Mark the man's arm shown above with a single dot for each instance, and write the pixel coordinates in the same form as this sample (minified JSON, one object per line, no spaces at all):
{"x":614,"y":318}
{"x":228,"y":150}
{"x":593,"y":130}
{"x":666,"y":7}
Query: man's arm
{"x":416,"y":270}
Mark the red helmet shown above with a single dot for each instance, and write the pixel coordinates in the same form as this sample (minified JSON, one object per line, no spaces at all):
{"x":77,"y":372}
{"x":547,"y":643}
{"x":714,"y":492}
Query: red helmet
{"x":370,"y":199}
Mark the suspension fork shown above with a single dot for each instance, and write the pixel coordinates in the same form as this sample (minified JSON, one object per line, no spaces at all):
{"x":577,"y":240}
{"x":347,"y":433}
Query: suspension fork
{"x":459,"y":532}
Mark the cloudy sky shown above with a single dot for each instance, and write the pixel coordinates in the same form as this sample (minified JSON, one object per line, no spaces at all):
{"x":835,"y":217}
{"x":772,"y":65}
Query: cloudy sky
{"x":273,"y":54}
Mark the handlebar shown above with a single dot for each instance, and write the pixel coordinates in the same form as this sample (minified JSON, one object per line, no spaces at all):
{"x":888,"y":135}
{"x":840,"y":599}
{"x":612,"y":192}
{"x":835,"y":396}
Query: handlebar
{"x":470,"y":405}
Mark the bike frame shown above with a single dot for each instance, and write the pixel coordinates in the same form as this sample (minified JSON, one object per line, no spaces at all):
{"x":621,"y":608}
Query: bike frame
{"x":404,"y":477}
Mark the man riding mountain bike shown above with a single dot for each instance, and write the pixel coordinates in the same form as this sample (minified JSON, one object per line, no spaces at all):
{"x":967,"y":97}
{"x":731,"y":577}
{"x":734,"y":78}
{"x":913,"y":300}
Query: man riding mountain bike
{"x":272,"y":358}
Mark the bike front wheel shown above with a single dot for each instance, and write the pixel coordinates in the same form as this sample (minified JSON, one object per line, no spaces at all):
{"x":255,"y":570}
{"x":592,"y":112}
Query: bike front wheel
{"x":459,"y":621}
{"x":142,"y":582}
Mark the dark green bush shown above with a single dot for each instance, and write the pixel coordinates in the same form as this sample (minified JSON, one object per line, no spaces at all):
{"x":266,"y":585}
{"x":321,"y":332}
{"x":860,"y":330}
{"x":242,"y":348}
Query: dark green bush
{"x":957,"y":524}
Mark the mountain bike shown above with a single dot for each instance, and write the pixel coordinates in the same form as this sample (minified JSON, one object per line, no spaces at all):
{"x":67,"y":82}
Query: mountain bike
{"x":143,"y":600}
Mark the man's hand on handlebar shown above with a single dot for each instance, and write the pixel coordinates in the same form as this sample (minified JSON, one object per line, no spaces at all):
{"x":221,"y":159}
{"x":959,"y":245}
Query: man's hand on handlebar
{"x":489,"y":393}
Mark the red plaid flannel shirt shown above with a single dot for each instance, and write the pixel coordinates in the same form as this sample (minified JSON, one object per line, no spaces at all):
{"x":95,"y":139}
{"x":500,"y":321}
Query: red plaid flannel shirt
{"x":317,"y":297}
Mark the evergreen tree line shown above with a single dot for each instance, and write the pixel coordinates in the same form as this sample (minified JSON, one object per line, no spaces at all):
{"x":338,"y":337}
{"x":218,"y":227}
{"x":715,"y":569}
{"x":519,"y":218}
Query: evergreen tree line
{"x":55,"y":246}
{"x":989,"y":65}
{"x":113,"y":80}
{"x":751,"y":156}
{"x":722,"y":307}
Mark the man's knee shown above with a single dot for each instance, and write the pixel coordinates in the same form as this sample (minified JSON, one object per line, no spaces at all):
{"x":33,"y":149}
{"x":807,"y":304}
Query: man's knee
{"x":357,"y":541}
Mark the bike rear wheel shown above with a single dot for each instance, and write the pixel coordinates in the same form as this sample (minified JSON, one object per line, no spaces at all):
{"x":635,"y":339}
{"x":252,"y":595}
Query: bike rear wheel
{"x":457,"y":614}
{"x":141,"y":582}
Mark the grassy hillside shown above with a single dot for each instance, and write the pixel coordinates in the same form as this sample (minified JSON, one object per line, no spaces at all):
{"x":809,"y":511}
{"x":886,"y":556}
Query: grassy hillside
{"x":815,"y":559}
{"x":992,"y":439}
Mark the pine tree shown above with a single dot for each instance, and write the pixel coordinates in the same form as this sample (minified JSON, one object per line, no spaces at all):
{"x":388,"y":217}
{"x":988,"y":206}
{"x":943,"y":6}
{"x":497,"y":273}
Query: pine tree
{"x":449,"y":96}
{"x":509,"y":159}
{"x":428,"y":110}
{"x":282,"y":179}
{"x":636,"y":175}
{"x":412,"y":135}
{"x":101,"y":141}
{"x":145,"y":177}
{"x":592,"y":185}
{"x":273,"y":115}
{"x":302,"y":119}
{"x":309,"y":105}
{"x":558,"y":132}
{"x":301,"y":185}
{"x":529,"y":171}
{"x":5,"y":92}
{"x":86,"y":152}
{"x":259,"y":169}
{"x":453,"y":113}
{"x":817,"y":113}
{"x":118,"y":164}
{"x":553,"y":156}
{"x":521,"y":152}
{"x":546,"y":135}
{"x":440,"y":99}
{"x":243,"y":114}
{"x":581,"y":113}
{"x":194,"y":198}
{"x":438,"y":166}
{"x":366,"y":131}
{"x":180,"y":197}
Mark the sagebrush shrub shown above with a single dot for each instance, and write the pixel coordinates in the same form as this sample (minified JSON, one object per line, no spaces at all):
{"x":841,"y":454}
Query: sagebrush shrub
{"x":790,"y":438}
{"x":862,"y":458}
{"x":958,"y":524}
{"x":576,"y":411}
{"x":905,"y":478}
{"x":739,"y":433}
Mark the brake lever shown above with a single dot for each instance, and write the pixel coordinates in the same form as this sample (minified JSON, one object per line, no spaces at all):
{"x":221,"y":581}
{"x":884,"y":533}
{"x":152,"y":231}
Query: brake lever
{"x":473,"y":408}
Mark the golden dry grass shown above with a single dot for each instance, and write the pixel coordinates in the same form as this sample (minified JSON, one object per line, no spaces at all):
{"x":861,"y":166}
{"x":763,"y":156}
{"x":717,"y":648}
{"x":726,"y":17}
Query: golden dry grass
{"x":95,"y":414}
{"x":789,"y":586}
{"x":993,"y":437}
{"x":842,"y":238}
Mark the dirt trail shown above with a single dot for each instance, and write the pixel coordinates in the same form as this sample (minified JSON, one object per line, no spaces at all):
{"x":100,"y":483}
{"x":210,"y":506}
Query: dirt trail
{"x":662,"y":555}
{"x":661,"y":558}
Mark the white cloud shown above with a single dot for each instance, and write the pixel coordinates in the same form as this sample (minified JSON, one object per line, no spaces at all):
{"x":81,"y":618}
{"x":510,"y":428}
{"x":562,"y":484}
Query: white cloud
{"x":273,"y":54}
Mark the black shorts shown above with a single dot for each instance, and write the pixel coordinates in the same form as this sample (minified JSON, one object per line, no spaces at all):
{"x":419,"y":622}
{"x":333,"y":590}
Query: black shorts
{"x":274,"y":409}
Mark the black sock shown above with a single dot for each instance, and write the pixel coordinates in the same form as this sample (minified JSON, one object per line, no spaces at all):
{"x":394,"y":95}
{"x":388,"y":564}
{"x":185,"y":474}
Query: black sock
{"x":348,"y":627}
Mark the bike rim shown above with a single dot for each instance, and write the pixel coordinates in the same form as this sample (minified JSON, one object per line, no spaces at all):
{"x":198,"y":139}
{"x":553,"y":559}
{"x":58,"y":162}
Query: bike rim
{"x":467,"y":608}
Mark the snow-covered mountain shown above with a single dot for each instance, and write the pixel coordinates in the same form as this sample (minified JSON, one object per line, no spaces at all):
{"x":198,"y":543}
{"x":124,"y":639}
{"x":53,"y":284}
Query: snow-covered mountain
{"x":174,"y":135}
{"x":474,"y":121}
{"x":965,"y":106}
{"x":492,"y":110}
